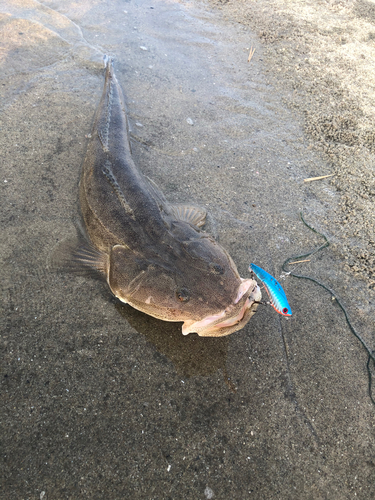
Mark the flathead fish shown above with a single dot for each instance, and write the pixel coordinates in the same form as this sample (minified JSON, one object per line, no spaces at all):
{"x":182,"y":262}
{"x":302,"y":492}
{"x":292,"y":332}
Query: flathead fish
{"x":153,"y":254}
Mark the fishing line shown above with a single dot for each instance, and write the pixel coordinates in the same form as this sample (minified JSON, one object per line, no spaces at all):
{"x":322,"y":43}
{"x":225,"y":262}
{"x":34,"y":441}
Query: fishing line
{"x":370,"y":352}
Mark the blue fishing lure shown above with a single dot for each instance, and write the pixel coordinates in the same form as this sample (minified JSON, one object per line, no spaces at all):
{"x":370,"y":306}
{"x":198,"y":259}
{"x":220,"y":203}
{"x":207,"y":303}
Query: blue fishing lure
{"x":277,"y":295}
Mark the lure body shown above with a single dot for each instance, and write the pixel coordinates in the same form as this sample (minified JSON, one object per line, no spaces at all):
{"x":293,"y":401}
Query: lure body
{"x":277,"y":295}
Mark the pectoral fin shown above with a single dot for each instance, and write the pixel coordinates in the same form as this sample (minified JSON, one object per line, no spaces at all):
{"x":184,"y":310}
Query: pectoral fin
{"x":190,"y":213}
{"x":78,"y":255}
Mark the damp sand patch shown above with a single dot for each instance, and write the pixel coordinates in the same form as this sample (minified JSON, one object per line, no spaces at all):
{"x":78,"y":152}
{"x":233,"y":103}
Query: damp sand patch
{"x":321,"y":59}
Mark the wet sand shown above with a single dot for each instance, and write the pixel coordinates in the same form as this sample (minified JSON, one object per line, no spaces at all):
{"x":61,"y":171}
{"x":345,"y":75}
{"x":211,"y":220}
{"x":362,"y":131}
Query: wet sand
{"x":320,"y":58}
{"x":99,"y":400}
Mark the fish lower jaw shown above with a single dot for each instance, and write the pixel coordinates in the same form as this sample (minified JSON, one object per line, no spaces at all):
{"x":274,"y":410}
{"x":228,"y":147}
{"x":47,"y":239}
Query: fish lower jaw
{"x":211,"y":326}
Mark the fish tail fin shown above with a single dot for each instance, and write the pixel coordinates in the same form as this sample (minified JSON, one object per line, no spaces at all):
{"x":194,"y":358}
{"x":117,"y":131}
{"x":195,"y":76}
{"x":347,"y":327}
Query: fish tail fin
{"x":108,"y":62}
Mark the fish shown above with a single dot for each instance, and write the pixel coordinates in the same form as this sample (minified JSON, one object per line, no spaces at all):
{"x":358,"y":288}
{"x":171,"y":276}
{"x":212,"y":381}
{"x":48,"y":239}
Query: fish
{"x":275,"y":291}
{"x":154,"y":255}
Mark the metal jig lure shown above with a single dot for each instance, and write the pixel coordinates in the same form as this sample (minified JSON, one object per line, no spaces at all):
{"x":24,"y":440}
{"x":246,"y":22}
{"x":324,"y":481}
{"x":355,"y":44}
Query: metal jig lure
{"x":276,"y":294}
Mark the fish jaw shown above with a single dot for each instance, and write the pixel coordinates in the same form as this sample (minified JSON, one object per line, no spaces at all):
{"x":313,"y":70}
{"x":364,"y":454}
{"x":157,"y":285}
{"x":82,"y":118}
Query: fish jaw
{"x":233,"y":318}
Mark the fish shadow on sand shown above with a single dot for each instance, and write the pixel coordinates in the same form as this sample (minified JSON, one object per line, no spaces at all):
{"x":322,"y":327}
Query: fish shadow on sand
{"x":191,"y":355}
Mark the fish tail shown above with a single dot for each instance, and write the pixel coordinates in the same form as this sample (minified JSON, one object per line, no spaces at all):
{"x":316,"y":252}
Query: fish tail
{"x":108,"y":65}
{"x":107,"y":61}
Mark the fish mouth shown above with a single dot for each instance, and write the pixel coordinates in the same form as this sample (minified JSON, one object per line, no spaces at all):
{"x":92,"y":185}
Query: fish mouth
{"x":233,"y":318}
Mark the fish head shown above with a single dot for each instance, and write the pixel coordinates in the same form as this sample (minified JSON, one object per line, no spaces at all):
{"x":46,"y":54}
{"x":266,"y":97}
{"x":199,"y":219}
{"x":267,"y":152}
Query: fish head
{"x":196,"y":283}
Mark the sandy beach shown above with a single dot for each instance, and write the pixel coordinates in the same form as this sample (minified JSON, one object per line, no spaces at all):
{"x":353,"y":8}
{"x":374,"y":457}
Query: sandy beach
{"x":101,"y":401}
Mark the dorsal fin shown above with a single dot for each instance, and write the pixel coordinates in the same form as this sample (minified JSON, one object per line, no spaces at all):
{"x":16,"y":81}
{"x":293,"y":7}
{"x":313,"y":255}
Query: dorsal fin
{"x":107,"y":171}
{"x":156,"y":192}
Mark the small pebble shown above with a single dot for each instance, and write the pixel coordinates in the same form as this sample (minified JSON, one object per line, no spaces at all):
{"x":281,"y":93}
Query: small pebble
{"x":208,"y":493}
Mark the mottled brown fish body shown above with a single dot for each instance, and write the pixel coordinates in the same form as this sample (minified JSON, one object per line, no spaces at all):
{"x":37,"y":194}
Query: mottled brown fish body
{"x":154,"y":254}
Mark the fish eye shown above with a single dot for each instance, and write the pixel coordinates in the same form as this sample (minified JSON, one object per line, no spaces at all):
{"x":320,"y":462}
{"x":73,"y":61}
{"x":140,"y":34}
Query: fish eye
{"x":182,"y":294}
{"x":216,"y":268}
{"x":285,"y":310}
